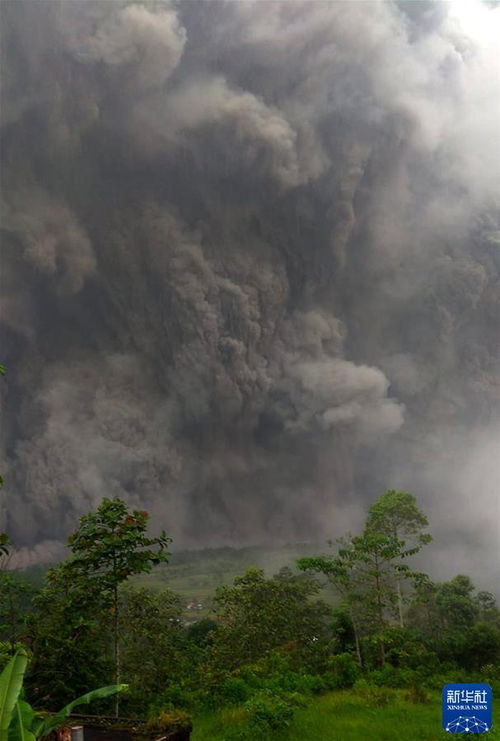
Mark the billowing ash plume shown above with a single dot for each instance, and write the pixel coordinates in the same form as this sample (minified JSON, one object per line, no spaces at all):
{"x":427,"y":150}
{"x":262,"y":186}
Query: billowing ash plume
{"x":251,"y":259}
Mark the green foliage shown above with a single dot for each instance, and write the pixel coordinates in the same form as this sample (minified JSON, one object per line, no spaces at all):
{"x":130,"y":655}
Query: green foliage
{"x":45,"y":726}
{"x":202,"y":632}
{"x":71,"y":647}
{"x":456,"y":603}
{"x":8,"y":650}
{"x":343,"y":671}
{"x":365,"y":571}
{"x":5,"y":544}
{"x":404,"y":647}
{"x":487,"y":606}
{"x":456,"y":625}
{"x":273,"y":646}
{"x":234,"y":691}
{"x":16,"y":597}
{"x":369,"y":569}
{"x":79,"y":607}
{"x":18,"y":720}
{"x":11,"y":681}
{"x":342,"y":629}
{"x":396,"y":514}
{"x":372,"y":695}
{"x":22,"y":721}
{"x":258,"y":614}
{"x":477,"y":646}
{"x":268,"y":713}
{"x":110,"y":545}
{"x":342,"y":716}
{"x":154,"y":649}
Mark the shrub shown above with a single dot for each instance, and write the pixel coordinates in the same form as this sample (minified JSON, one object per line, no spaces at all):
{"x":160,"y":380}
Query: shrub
{"x":295,"y":699}
{"x":174,"y":696}
{"x":234,"y":690}
{"x":490,"y":673}
{"x":311,"y":683}
{"x":451,"y":674}
{"x":269,"y":713}
{"x":372,"y":695}
{"x":384,"y":677}
{"x":343,"y":671}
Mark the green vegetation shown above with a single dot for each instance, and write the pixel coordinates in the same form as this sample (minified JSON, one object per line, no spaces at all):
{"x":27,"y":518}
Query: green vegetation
{"x":344,"y":715}
{"x":109,"y":546}
{"x":368,"y":569}
{"x":18,"y":720}
{"x":195,"y":575}
{"x":345,"y":645}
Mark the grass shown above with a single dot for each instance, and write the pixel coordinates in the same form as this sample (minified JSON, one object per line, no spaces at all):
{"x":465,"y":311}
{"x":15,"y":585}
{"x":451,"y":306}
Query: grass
{"x":345,"y":716}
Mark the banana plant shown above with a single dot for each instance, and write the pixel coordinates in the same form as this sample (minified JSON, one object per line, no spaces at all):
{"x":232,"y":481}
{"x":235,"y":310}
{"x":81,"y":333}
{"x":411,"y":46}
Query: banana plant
{"x":18,"y":720}
{"x":11,"y":682}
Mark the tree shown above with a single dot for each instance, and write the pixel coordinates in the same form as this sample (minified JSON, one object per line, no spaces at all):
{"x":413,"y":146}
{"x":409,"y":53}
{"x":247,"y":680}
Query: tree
{"x":478,"y":646}
{"x":154,"y":647}
{"x":456,"y":624}
{"x":202,"y":633}
{"x":364,"y":572}
{"x":15,"y":606}
{"x":110,"y":545}
{"x":340,"y":572}
{"x":456,"y":604}
{"x":70,"y":644}
{"x":257,"y":615}
{"x":395,"y":514}
{"x":368,"y":569}
{"x":488,"y":610}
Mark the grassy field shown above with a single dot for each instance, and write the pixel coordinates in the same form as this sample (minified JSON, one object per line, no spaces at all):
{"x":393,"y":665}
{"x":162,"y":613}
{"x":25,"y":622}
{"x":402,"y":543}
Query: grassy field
{"x":344,"y":716}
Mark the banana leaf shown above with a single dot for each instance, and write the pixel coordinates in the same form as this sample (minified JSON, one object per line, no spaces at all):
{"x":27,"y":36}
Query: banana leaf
{"x":21,"y":722}
{"x":45,"y":726}
{"x":11,"y":681}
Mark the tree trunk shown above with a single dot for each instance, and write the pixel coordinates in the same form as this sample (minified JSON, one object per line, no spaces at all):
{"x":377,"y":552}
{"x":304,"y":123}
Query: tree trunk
{"x":356,"y":640}
{"x":116,"y":651}
{"x":358,"y":649}
{"x":380,"y":610}
{"x":382,"y":652}
{"x":400,"y":604}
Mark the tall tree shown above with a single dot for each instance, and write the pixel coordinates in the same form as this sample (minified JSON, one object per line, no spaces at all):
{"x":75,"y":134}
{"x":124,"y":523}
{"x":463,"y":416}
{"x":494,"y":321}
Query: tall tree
{"x":364,"y":571}
{"x":340,"y":572}
{"x":110,"y":545}
{"x":368,"y":569}
{"x":396,"y":514}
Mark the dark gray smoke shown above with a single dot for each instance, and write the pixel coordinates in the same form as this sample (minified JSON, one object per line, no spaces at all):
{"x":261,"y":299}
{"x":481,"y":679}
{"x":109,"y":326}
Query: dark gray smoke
{"x":251,"y":257}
